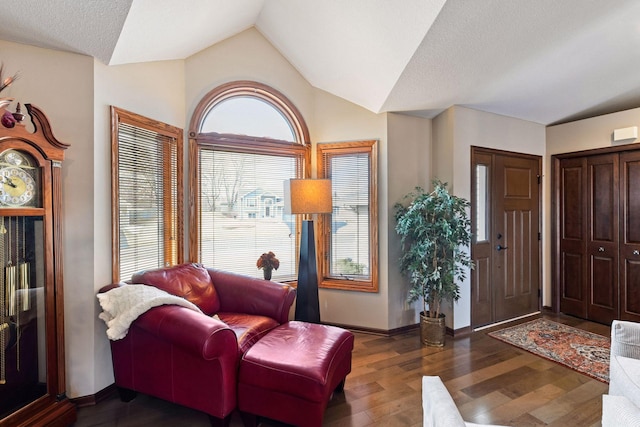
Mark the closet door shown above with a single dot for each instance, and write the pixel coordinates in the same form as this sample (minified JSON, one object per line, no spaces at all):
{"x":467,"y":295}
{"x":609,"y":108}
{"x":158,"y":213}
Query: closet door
{"x":630,"y":236}
{"x":572,"y":214}
{"x":602,"y":237}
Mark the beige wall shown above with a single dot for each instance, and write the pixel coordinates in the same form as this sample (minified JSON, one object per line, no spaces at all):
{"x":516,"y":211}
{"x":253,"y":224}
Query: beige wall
{"x":61,"y":84}
{"x":334,"y":120}
{"x":249,"y":56}
{"x":246,"y":56}
{"x":596,"y":132}
{"x":154,"y":90}
{"x":408,"y":165}
{"x":460,"y":128}
{"x":75,"y":92}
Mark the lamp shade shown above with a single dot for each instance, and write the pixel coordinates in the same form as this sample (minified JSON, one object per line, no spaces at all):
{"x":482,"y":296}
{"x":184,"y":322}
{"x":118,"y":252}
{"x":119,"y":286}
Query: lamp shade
{"x":307,"y":196}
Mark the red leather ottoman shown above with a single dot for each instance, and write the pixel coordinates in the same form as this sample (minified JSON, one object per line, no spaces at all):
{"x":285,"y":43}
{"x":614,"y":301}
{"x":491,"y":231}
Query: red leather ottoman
{"x":290,"y":374}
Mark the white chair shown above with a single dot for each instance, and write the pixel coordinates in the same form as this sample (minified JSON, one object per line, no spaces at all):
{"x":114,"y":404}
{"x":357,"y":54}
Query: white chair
{"x":439,"y":409}
{"x":621,"y":407}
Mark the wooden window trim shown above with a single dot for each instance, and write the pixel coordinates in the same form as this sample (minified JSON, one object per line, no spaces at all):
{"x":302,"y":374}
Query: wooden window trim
{"x":118,"y":116}
{"x":345,"y":148}
{"x":252,"y":89}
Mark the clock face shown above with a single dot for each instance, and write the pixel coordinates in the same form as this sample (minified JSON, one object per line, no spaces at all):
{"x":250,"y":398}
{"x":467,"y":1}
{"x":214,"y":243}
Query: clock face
{"x":18,"y":188}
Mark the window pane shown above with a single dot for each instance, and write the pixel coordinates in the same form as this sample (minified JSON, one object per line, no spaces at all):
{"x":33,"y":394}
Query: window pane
{"x":481,"y":203}
{"x":242,"y":212}
{"x":248,"y":116}
{"x":350,"y":243}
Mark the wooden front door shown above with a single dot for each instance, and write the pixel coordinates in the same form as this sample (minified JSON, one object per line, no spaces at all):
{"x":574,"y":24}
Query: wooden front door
{"x":506,"y":245}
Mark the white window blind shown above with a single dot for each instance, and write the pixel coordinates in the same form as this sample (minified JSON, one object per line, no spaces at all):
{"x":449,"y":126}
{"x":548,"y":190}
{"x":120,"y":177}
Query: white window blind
{"x":350,"y":255}
{"x":242,"y":211}
{"x":147,"y":199}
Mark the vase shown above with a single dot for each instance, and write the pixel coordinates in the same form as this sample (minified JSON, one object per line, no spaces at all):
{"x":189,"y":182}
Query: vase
{"x":267,"y":273}
{"x":432,"y":330}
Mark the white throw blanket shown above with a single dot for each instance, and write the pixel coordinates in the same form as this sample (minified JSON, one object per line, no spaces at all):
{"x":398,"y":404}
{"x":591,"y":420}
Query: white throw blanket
{"x":124,"y":304}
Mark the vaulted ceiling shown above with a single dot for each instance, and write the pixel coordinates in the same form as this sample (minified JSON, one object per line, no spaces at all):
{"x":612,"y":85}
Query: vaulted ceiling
{"x":546,"y":61}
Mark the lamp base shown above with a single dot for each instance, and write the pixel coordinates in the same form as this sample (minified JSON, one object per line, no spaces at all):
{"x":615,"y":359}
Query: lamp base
{"x":307,"y":303}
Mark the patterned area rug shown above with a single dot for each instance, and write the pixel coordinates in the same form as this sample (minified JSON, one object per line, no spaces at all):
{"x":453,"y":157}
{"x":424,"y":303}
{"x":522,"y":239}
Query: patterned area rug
{"x":583,"y":351}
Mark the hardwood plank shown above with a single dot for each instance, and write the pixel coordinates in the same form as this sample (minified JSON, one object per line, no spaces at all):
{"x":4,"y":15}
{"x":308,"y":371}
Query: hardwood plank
{"x":490,"y":381}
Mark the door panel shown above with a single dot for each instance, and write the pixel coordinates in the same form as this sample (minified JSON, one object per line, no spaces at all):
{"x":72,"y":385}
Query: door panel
{"x":602,"y":242}
{"x":516,"y":197}
{"x":630,"y":236}
{"x":505,"y":281}
{"x":573,"y":225}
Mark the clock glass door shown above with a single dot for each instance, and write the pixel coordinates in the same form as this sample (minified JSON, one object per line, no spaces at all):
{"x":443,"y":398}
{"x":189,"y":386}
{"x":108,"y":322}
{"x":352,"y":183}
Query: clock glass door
{"x":23,"y":358}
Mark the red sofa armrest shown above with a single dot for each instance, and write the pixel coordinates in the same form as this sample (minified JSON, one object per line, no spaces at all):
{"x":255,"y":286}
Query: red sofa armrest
{"x":244,"y":294}
{"x":196,"y":333}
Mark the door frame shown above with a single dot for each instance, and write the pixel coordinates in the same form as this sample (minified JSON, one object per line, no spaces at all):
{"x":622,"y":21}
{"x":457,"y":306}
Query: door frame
{"x":475,"y":151}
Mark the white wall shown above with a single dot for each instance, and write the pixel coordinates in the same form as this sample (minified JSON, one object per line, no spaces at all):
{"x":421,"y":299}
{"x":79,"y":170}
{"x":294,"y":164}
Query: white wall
{"x":478,"y":128}
{"x":587,"y":134}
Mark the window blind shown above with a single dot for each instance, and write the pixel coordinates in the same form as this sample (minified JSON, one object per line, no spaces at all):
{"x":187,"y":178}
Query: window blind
{"x":147,"y":198}
{"x":241,"y":214}
{"x":350,"y":243}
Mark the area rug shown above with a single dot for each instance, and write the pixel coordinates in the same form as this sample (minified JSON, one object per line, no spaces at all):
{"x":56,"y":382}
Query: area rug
{"x":583,"y":351}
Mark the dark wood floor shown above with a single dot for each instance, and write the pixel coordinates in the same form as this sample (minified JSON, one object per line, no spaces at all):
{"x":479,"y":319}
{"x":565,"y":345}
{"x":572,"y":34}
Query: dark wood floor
{"x":490,"y":381}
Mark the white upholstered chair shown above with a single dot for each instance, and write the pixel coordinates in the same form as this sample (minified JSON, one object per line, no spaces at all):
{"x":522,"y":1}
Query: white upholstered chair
{"x":439,"y":409}
{"x":621,"y":407}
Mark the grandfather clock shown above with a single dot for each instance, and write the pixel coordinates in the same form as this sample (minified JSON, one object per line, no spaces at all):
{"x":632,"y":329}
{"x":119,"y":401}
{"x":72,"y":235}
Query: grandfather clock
{"x":32,"y":367}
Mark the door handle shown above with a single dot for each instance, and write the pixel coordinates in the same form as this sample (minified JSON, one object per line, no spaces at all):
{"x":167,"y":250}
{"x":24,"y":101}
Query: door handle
{"x":600,"y":249}
{"x":501,"y":248}
{"x":636,"y":252}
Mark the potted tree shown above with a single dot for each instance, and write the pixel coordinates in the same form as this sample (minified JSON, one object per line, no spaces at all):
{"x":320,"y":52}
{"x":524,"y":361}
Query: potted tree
{"x":435,"y":232}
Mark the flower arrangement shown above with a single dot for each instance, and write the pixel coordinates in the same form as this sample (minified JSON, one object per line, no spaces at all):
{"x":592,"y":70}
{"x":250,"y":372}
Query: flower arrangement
{"x":268,"y":261}
{"x":8,"y":120}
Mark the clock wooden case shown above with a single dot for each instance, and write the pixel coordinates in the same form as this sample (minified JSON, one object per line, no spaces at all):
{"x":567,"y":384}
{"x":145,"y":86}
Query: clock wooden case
{"x":32,"y":367}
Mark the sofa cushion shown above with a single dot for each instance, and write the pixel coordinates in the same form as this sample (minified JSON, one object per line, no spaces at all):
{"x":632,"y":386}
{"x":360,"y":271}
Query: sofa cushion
{"x":625,"y":378}
{"x":438,"y":407}
{"x":249,"y":328}
{"x":619,"y":411}
{"x":189,"y":281}
{"x":300,"y":359}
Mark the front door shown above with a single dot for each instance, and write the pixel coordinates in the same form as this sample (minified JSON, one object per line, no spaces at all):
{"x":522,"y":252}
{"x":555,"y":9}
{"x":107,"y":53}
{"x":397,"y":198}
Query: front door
{"x":506,"y":242}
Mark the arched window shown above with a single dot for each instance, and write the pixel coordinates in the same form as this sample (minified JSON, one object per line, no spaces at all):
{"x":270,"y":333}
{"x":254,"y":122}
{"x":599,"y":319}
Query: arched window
{"x":246,"y":140}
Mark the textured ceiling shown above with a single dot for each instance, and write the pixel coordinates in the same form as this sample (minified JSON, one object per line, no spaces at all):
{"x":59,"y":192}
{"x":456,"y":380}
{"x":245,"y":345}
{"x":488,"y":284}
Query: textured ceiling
{"x":546,"y":61}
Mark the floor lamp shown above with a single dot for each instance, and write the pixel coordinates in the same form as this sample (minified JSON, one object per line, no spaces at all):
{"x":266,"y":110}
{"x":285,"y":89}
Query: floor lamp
{"x":307,"y":197}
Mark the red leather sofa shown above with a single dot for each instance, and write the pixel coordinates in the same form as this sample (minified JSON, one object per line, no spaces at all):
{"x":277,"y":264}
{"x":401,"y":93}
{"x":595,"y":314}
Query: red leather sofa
{"x":191,"y":358}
